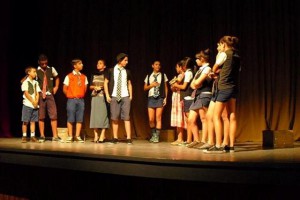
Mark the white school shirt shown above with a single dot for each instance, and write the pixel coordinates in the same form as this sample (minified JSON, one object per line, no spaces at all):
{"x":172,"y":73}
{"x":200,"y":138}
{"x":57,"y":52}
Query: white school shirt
{"x":124,"y":84}
{"x":151,"y":80}
{"x":67,"y":80}
{"x":221,"y":57}
{"x":188,"y":76}
{"x":24,"y":87}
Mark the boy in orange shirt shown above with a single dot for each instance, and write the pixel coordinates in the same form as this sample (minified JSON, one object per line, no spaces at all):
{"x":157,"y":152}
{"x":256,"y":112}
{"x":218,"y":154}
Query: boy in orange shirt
{"x":75,"y":86}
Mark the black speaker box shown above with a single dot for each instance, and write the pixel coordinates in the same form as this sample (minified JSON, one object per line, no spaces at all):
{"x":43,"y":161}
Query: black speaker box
{"x":278,"y":139}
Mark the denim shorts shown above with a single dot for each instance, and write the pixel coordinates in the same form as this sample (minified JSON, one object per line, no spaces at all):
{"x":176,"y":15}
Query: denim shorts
{"x":29,"y":114}
{"x":186,"y":105}
{"x":202,"y":100}
{"x":155,"y":102}
{"x":225,"y":95}
{"x":75,"y":110}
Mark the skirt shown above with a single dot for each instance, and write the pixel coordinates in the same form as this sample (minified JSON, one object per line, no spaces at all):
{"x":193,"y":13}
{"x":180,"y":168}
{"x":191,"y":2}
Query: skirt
{"x":99,"y":117}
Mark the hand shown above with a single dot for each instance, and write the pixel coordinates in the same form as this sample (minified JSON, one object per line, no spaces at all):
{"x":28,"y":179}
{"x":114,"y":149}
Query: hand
{"x":55,"y":90}
{"x":154,"y":84}
{"x":165,"y":102}
{"x":97,"y":88}
{"x":173,"y":89}
{"x":35,"y":104}
{"x":175,"y":85}
{"x":108,"y":99}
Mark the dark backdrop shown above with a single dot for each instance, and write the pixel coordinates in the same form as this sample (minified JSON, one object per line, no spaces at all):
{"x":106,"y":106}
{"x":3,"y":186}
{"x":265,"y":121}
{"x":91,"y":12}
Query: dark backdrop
{"x":157,"y":29}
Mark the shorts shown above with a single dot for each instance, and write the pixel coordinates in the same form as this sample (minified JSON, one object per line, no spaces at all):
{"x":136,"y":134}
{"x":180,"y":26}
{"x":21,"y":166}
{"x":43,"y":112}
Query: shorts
{"x":75,"y":110}
{"x":121,"y":108}
{"x":155,"y":102}
{"x":47,"y":104}
{"x":202,"y":100}
{"x":225,"y":95}
{"x":186,"y":105}
{"x":29,"y":114}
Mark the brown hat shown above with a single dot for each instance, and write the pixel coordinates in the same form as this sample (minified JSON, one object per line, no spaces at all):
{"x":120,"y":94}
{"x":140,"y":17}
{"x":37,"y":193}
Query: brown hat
{"x":120,"y":56}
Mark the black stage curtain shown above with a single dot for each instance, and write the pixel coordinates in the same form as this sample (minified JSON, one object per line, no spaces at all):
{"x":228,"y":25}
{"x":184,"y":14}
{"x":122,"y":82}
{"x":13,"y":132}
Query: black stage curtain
{"x":157,"y":29}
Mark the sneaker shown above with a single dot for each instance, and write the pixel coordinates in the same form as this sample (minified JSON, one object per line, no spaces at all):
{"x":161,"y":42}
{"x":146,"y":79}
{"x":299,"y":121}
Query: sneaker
{"x":129,"y":141}
{"x":192,"y":144}
{"x":24,"y":139}
{"x":78,"y":139}
{"x":198,"y":145}
{"x":155,"y":139}
{"x":69,"y":139}
{"x":205,"y":146}
{"x":228,"y":149}
{"x":33,"y":139}
{"x":151,"y":139}
{"x":42,"y":139}
{"x":183,"y":143}
{"x":56,"y":139}
{"x":214,"y":149}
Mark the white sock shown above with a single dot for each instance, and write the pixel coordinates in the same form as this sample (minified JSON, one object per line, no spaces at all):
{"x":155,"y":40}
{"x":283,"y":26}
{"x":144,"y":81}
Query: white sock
{"x":24,"y":134}
{"x":32,"y":134}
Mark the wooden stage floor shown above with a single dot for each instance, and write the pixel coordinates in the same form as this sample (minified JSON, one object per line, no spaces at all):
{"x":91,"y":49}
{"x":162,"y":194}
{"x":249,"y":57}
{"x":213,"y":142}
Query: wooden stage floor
{"x":144,"y":165}
{"x":160,"y":160}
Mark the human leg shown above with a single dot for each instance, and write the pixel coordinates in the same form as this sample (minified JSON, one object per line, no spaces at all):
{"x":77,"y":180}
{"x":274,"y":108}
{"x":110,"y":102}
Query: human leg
{"x":218,"y":125}
{"x":102,"y":135}
{"x":158,"y":113}
{"x":192,"y":123}
{"x":232,"y":121}
{"x":151,"y":116}
{"x":225,"y":126}
{"x":96,"y":137}
{"x":202,"y":114}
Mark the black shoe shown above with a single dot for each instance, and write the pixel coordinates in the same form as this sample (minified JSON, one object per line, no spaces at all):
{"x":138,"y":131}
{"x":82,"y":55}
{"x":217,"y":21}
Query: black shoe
{"x":129,"y":141}
{"x":228,"y":149}
{"x":115,"y":141}
{"x":103,"y":141}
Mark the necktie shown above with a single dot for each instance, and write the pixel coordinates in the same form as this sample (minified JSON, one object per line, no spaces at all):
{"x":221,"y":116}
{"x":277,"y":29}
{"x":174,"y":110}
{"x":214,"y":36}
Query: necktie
{"x":156,"y":89}
{"x":78,"y":79}
{"x":119,"y":85}
{"x":44,"y":85}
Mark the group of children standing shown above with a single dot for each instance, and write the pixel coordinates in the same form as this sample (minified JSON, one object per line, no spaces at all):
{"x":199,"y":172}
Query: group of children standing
{"x":210,"y":93}
{"x":40,"y":85}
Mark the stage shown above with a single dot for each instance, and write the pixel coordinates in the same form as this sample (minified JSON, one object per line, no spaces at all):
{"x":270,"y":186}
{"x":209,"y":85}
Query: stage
{"x":249,"y":168}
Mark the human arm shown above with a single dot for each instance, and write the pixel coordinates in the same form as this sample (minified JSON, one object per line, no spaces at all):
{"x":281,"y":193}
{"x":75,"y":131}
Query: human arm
{"x":34,"y":100}
{"x":56,"y":86}
{"x":220,"y":59}
{"x":180,"y":86}
{"x":130,"y":89}
{"x":66,"y":85}
{"x":196,"y":83}
{"x":149,"y":86}
{"x":65,"y":89}
{"x":216,"y":68}
{"x":166,"y":94}
{"x":106,"y":91}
